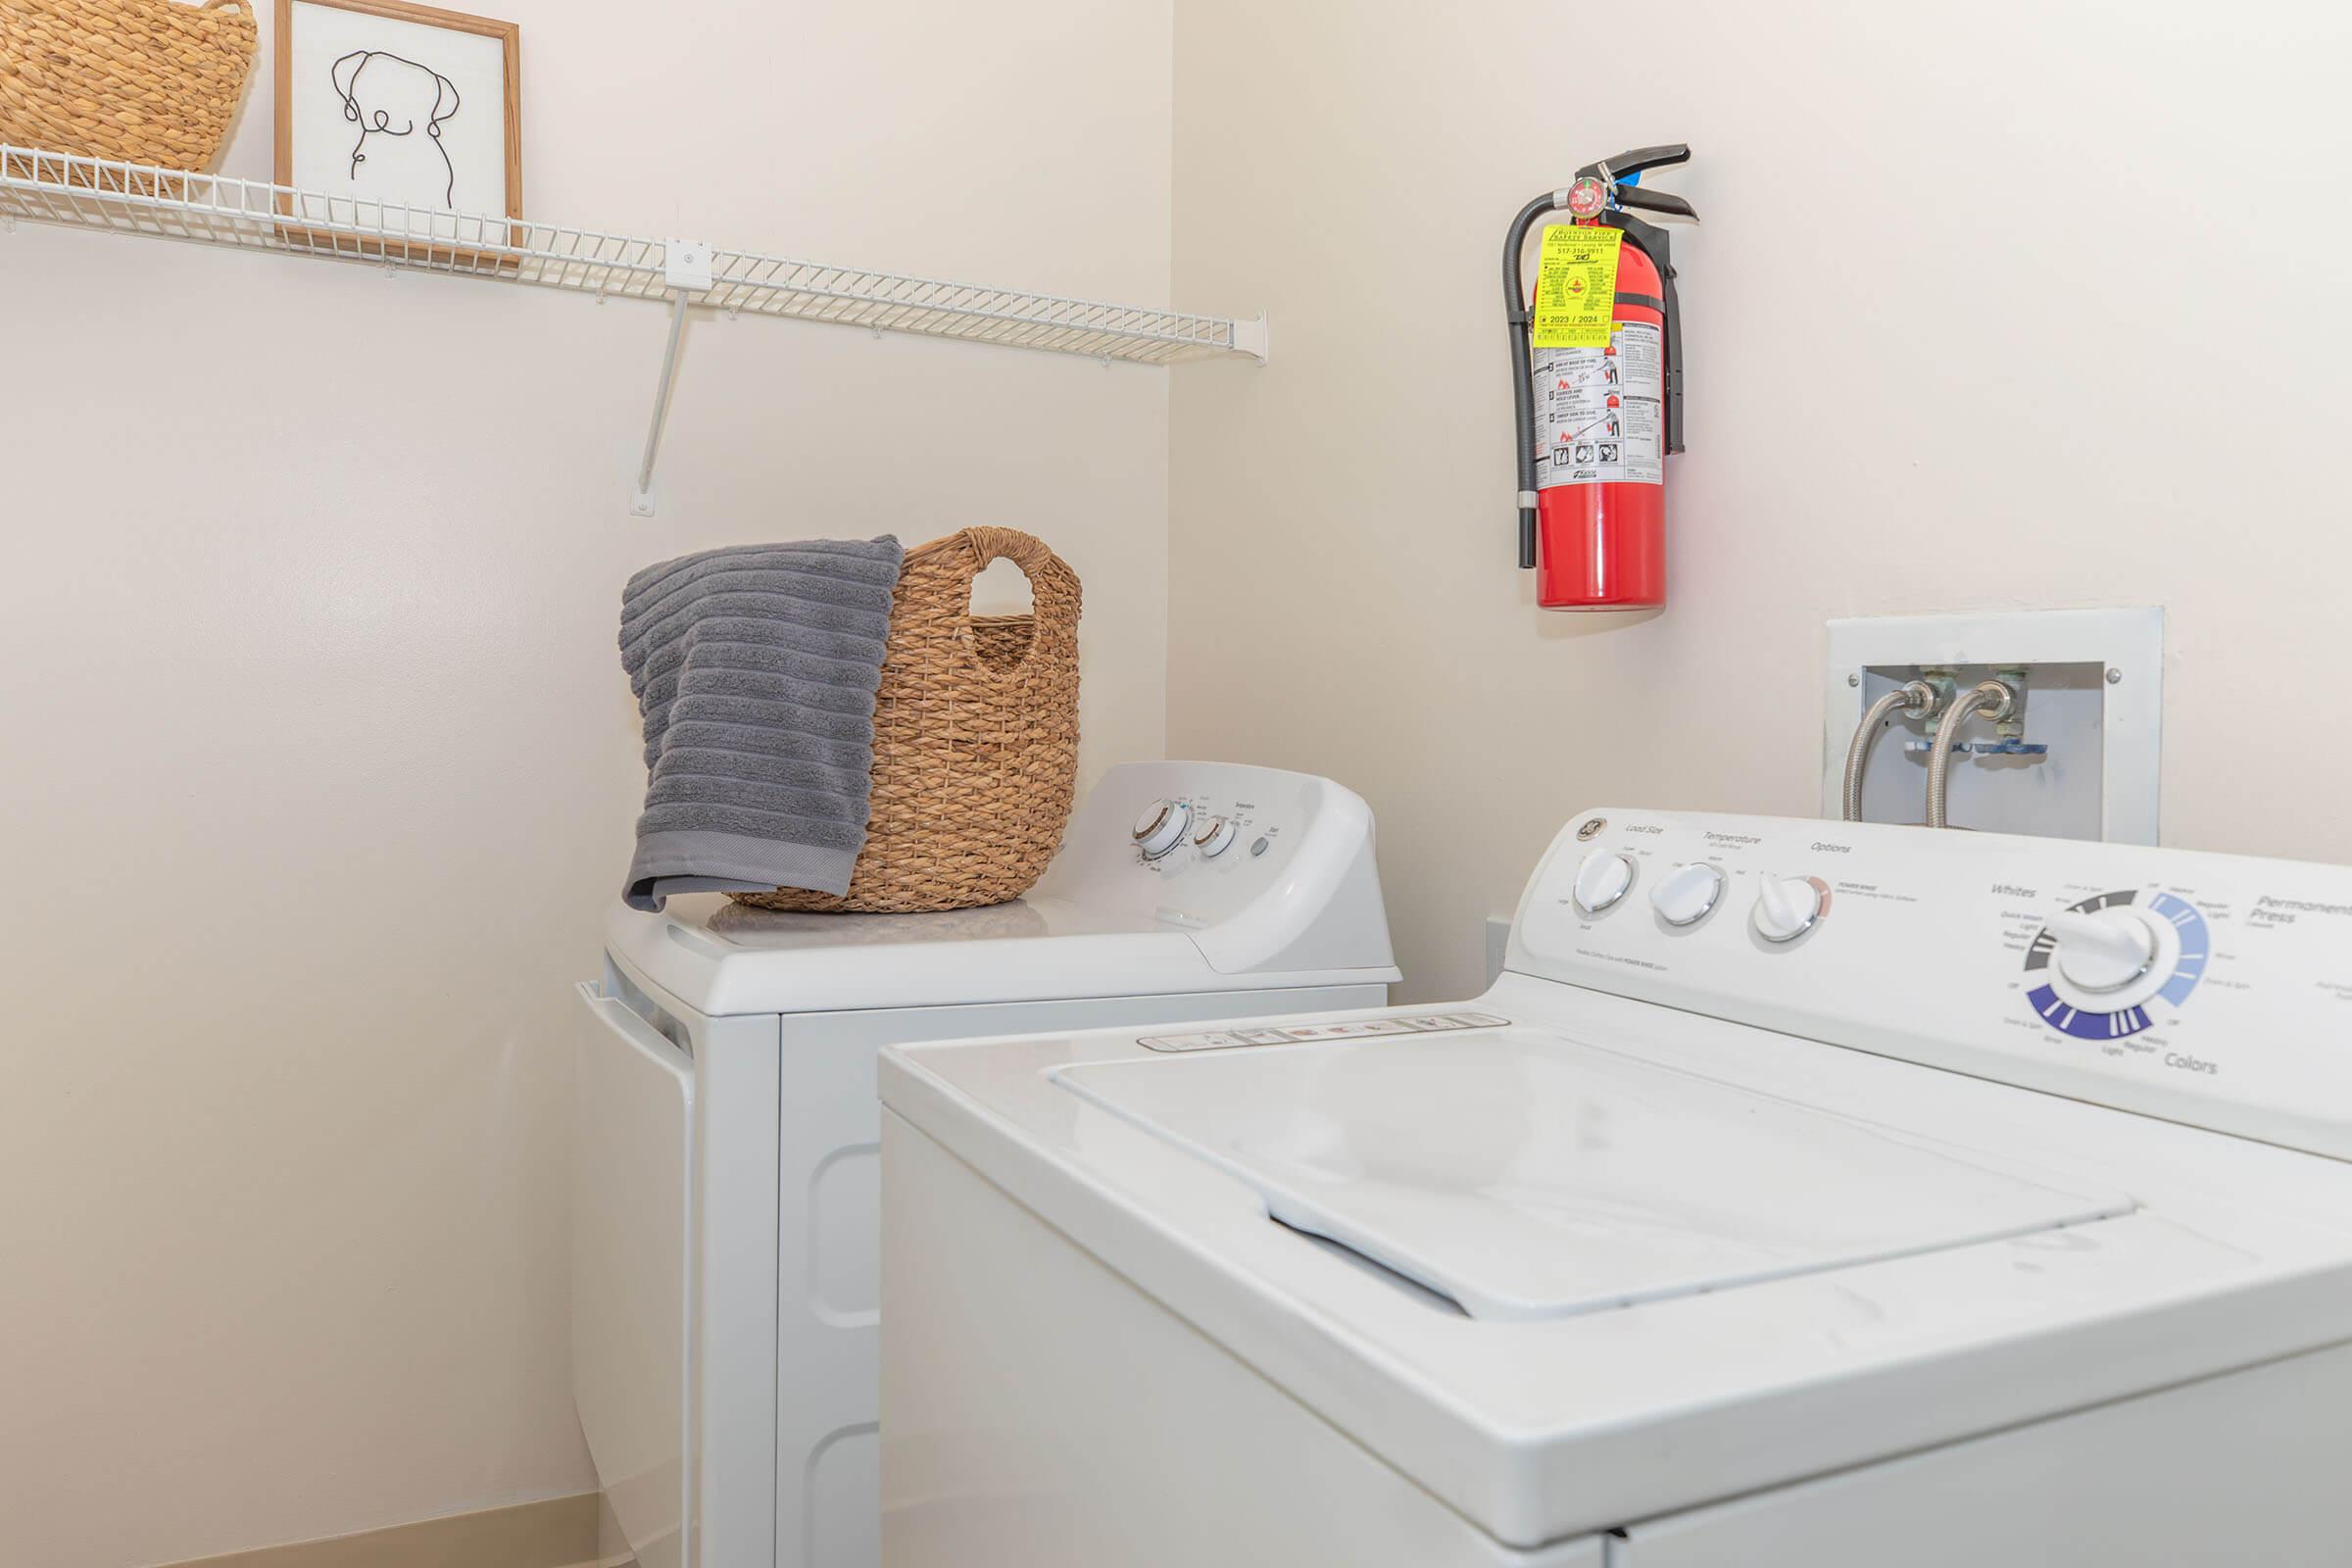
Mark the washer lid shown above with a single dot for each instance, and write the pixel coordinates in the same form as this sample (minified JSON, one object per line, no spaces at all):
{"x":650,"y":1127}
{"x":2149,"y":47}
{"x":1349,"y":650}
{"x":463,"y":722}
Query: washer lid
{"x":1527,"y":1176}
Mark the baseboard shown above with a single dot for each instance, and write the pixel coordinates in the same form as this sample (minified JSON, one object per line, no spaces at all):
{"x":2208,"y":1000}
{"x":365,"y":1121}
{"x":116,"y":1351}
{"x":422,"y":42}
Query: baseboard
{"x":611,"y":1545}
{"x":553,"y":1532}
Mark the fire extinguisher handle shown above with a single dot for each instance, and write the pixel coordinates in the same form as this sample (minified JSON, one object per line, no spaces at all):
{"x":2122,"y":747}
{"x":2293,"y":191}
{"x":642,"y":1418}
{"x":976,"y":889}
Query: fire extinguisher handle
{"x":1654,"y":201}
{"x":1635,"y":160}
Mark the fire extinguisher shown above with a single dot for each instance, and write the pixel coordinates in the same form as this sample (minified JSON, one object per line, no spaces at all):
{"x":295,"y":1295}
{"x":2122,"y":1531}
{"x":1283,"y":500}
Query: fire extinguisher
{"x":1599,"y":398}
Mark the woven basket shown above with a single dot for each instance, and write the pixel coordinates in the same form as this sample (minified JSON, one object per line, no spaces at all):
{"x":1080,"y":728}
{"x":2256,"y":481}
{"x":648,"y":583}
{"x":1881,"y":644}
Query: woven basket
{"x":975,"y":735}
{"x":141,"y":82}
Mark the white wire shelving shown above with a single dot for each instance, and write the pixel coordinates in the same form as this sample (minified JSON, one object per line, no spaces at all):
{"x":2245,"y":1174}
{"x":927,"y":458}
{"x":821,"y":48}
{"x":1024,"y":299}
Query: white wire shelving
{"x":58,"y":188}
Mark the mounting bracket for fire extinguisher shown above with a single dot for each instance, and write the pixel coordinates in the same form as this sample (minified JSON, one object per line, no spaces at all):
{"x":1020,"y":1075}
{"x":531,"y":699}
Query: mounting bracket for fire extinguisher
{"x":1608,"y":187}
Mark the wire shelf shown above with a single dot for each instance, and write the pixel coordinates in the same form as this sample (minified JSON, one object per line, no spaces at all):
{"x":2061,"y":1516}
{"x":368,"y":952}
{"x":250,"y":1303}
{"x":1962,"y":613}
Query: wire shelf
{"x":46,"y":188}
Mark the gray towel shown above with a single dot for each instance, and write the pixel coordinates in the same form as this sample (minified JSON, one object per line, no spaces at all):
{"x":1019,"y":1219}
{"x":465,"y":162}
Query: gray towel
{"x":755,"y":669}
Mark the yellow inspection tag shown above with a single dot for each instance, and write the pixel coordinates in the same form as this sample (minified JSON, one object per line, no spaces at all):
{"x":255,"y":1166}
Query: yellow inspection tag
{"x":1576,"y":286}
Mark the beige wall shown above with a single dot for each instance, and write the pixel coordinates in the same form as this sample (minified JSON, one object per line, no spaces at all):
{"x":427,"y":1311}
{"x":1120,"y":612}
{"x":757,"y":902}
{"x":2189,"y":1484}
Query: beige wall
{"x":321,"y":763}
{"x":2006,"y":305}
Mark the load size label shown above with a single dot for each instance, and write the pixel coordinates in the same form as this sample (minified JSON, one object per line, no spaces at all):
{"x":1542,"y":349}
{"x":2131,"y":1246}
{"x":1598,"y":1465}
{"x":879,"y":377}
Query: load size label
{"x":1600,"y":412}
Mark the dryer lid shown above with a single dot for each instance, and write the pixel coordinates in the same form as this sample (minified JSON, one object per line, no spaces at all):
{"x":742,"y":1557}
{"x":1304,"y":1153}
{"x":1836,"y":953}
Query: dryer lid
{"x":1526,"y":1175}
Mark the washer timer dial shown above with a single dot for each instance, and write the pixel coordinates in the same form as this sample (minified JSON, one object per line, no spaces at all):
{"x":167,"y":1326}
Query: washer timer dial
{"x":2091,"y":971}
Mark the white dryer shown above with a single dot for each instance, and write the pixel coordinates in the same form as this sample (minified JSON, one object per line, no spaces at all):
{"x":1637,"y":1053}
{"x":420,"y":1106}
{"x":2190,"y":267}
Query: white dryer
{"x":1802,"y":1196}
{"x":724,"y":1298}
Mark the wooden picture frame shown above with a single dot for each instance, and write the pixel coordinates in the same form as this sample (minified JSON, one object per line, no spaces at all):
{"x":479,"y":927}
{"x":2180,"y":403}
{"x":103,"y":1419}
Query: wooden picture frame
{"x":447,"y":233}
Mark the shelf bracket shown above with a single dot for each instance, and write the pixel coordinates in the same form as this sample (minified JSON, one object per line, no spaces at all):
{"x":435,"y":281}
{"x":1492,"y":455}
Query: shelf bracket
{"x":1253,"y":338}
{"x":686,"y":275}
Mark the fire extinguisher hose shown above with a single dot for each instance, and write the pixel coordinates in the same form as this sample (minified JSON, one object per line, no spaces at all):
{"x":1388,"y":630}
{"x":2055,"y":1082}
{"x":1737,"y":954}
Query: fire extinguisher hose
{"x":1523,"y":386}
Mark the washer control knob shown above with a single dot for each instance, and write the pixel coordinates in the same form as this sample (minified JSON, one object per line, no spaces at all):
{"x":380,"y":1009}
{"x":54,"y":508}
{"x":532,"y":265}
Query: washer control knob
{"x":1214,"y":838}
{"x":1603,"y":880}
{"x":2104,"y":952}
{"x":1687,"y":894}
{"x":1162,"y":827}
{"x":1788,"y":908}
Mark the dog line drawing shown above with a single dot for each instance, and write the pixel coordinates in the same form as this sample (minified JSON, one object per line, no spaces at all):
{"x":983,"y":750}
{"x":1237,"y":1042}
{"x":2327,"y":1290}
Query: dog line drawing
{"x":395,"y":85}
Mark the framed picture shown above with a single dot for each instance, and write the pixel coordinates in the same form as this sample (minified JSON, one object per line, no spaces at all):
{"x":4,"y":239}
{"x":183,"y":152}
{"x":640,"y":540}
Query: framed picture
{"x":395,"y":114}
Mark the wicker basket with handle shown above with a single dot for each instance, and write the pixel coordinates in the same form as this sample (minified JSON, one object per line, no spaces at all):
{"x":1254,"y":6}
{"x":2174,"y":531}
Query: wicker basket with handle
{"x":975,"y":735}
{"x":142,"y":81}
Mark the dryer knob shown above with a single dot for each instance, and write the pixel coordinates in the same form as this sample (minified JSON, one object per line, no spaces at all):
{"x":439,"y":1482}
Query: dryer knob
{"x":1788,"y":908}
{"x":1603,"y":880}
{"x":1162,"y":827}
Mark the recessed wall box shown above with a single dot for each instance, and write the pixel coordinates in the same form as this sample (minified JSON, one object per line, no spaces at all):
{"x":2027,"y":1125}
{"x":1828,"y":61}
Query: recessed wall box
{"x":2081,"y":757}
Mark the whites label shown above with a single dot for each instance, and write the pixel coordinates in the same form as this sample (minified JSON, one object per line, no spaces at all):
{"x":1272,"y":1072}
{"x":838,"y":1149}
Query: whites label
{"x":1600,"y":412}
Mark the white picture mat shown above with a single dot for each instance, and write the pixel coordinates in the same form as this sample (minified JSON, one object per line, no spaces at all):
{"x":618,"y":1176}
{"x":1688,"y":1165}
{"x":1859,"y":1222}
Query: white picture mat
{"x":403,"y":170}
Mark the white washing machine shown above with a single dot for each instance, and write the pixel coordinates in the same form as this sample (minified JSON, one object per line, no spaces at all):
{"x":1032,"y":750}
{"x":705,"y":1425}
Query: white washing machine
{"x":724,"y":1298}
{"x":1802,"y":1194}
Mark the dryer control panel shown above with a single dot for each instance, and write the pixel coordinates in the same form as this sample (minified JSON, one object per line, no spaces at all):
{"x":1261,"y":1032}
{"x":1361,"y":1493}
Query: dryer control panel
{"x":1264,"y":869}
{"x":2209,"y":989}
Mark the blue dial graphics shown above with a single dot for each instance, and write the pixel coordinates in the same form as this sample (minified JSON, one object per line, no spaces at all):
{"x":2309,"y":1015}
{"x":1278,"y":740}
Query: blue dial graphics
{"x":2087,"y":1024}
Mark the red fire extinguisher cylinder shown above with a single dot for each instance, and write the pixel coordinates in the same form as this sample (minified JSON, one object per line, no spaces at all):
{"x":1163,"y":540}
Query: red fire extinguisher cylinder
{"x":1596,"y":420}
{"x":1602,"y":546}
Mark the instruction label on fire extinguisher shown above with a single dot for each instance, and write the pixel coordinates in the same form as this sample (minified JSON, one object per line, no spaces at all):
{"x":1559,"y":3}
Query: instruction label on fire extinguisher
{"x":1600,"y":412}
{"x":1576,"y":285}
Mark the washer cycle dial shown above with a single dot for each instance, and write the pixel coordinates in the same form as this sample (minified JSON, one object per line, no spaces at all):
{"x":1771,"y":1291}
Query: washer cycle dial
{"x":1162,"y":827}
{"x":1603,"y":880}
{"x":1687,"y":894}
{"x":2094,"y":969}
{"x":2104,"y":952}
{"x":1789,"y":906}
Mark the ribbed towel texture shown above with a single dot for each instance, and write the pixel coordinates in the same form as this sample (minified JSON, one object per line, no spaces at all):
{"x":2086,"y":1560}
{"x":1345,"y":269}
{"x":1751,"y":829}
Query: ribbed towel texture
{"x":755,"y":669}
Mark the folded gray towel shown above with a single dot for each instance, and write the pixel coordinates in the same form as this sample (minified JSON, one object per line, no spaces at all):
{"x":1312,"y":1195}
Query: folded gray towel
{"x":755,"y":669}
